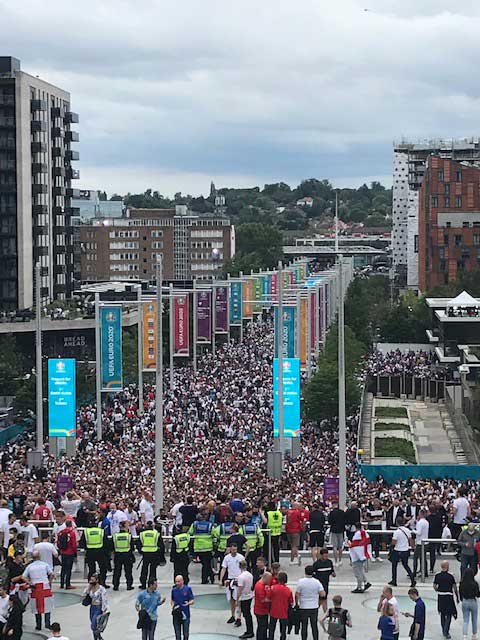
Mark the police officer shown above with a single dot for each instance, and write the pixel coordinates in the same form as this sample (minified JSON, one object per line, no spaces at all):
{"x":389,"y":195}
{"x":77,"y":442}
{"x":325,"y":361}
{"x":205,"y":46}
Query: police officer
{"x":94,"y":541}
{"x":222,"y":533}
{"x":124,"y":557}
{"x":273,"y":518}
{"x":179,"y":555}
{"x":150,"y":545}
{"x":255,"y":542}
{"x":204,"y":536}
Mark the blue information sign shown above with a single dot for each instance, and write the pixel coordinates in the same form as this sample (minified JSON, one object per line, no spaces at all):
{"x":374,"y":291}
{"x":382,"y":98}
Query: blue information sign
{"x":111,"y":343}
{"x":236,"y":304}
{"x":62,"y":420}
{"x":288,"y":332}
{"x":291,"y":397}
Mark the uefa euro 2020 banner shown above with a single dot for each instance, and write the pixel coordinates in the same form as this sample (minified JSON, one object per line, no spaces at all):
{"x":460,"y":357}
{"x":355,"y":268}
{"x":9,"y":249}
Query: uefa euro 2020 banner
{"x":111,"y":347}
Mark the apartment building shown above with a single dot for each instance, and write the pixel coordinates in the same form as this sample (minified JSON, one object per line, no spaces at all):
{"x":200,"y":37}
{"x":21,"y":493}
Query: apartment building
{"x":191,"y":245}
{"x":449,"y":221}
{"x":409,"y":165}
{"x":36,"y":173}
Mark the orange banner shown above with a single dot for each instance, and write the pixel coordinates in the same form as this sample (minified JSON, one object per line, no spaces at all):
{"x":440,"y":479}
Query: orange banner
{"x":248,"y":298}
{"x":149,"y":335}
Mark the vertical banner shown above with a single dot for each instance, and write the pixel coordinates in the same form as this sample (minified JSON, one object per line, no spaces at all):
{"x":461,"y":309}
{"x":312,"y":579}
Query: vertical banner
{"x":288,"y":339}
{"x":303,"y":331}
{"x":298,"y":273}
{"x":204,"y":316}
{"x":331,"y":489}
{"x":111,"y":343}
{"x":236,"y":303}
{"x":266,"y":290}
{"x":291,"y":397}
{"x":291,"y":278}
{"x":62,"y":419}
{"x":221,"y":309}
{"x":286,"y":280}
{"x":181,"y":341}
{"x":313,"y":320}
{"x":248,"y":298}
{"x":257,"y":294}
{"x":320,"y":313}
{"x":274,"y":286}
{"x":327,"y":306}
{"x":149,"y":335}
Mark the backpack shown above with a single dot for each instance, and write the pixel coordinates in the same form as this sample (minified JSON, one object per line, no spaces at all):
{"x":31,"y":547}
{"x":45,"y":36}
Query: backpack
{"x":337,"y":621}
{"x":63,"y":540}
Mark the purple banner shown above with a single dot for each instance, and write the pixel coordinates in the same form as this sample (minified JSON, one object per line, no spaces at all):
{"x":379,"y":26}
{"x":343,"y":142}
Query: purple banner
{"x":221,"y":310}
{"x":331,"y":489}
{"x":63,"y":484}
{"x":204,"y":316}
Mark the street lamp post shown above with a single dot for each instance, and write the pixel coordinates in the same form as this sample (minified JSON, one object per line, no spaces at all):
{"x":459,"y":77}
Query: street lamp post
{"x":159,"y":395}
{"x":281,"y":434}
{"x":38,"y":358}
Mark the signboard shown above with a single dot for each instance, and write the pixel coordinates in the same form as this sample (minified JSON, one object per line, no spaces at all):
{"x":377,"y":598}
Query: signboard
{"x":274,"y":287}
{"x":289,"y":314}
{"x":236,"y":303}
{"x":62,"y":420}
{"x":111,"y":348}
{"x":291,"y":397}
{"x":221,"y":310}
{"x":248,"y":298}
{"x":62,"y":485}
{"x":204,"y":316}
{"x":331,"y":489}
{"x":313,"y":320}
{"x":303,"y":332}
{"x":149,"y":335}
{"x":181,"y":338}
{"x":257,"y":294}
{"x":266,"y":290}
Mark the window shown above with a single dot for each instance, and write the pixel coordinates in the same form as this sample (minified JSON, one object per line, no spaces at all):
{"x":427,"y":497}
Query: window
{"x":440,"y":175}
{"x":458,"y":176}
{"x":447,"y":189}
{"x":447,"y":201}
{"x":458,"y":201}
{"x":476,"y":238}
{"x":435,"y":201}
{"x":445,"y":239}
{"x":415,"y":244}
{"x":458,"y":240}
{"x":448,"y":225}
{"x":465,"y":224}
{"x":442,"y":265}
{"x":461,"y":265}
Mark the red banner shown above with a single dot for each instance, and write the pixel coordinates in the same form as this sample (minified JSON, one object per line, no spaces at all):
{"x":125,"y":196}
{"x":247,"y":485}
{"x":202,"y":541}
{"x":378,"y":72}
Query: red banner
{"x":274,"y":286}
{"x":181,"y":342}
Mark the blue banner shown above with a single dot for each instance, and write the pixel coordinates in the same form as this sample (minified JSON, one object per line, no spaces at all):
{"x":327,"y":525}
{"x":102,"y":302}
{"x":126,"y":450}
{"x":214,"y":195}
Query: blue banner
{"x":111,"y":343}
{"x":236,"y":304}
{"x":291,"y":397}
{"x":288,"y":332}
{"x":62,"y":420}
{"x":266,"y":290}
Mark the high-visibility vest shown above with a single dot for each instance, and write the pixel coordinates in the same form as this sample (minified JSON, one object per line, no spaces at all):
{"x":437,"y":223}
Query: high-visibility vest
{"x":253,"y":534}
{"x":203,"y":536}
{"x":149,"y":541}
{"x":122,"y":542}
{"x":223,"y":533}
{"x":274,"y":522}
{"x":182,"y":540}
{"x":94,"y":537}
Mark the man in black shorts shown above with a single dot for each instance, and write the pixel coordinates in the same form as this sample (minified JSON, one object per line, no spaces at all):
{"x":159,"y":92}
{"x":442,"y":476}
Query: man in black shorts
{"x":316,"y":530}
{"x":322,"y":570}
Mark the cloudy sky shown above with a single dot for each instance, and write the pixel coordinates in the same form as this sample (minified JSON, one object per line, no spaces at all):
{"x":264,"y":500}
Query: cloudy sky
{"x":174,"y":94}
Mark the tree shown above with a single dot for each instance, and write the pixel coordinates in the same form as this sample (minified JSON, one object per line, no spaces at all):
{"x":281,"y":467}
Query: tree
{"x":130,"y":356}
{"x":354,"y":349}
{"x":243,"y":262}
{"x":263,"y":240}
{"x":321,"y":393}
{"x":116,"y":198}
{"x":11,"y":365}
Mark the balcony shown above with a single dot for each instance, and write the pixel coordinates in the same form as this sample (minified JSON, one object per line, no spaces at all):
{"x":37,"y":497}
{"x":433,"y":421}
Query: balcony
{"x":38,"y":126}
{"x":7,"y":100}
{"x":40,"y":229}
{"x":73,"y":174}
{"x":73,"y":193}
{"x":38,"y":105}
{"x":39,"y":147}
{"x":59,"y":172}
{"x":72,"y":136}
{"x":59,"y":191}
{"x":58,"y":132}
{"x":57,"y":112}
{"x":72,"y":155}
{"x":39,"y":167}
{"x":72,"y":211}
{"x":38,"y":189}
{"x":71,"y":117}
{"x":38,"y":209}
{"x":40,"y":251}
{"x":58,"y":152}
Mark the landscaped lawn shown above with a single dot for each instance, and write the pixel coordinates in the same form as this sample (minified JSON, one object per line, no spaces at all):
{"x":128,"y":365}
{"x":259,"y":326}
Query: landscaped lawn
{"x":391,"y":412}
{"x":395,"y":448}
{"x":391,"y":426}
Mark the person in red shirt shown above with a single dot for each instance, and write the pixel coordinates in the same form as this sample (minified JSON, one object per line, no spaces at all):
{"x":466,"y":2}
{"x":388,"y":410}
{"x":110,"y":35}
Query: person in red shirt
{"x":261,"y":606}
{"x":293,"y":528}
{"x":42,"y":512}
{"x":281,"y":598}
{"x":67,"y":548}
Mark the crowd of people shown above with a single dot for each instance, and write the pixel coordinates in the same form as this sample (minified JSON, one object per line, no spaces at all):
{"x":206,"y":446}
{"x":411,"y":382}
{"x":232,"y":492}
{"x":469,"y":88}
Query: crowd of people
{"x":418,"y":364}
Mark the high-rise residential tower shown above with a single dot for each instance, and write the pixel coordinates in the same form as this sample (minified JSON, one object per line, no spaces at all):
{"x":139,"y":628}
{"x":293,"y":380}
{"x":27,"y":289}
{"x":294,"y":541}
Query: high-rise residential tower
{"x":36,"y":171}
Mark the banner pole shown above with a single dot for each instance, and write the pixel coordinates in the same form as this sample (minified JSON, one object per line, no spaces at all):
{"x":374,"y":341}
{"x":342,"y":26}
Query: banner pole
{"x":309,"y":335}
{"x":38,"y":358}
{"x":98,"y":366}
{"x":195,"y":325}
{"x":140,"y":351}
{"x":213,"y":312}
{"x":281,"y":435}
{"x":159,"y":394}
{"x":171,"y":330}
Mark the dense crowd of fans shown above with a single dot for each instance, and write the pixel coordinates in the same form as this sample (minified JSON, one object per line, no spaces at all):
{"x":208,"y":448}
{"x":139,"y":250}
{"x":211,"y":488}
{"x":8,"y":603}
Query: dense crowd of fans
{"x":418,"y":364}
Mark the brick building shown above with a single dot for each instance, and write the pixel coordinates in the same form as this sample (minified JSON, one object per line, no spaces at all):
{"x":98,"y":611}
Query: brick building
{"x":449,"y":222}
{"x":192,"y":245}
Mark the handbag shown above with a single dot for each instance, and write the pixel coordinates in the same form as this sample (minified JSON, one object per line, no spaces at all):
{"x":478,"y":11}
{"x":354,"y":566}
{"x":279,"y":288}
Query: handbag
{"x":177,"y":614}
{"x":143,"y":620}
{"x":87,"y":600}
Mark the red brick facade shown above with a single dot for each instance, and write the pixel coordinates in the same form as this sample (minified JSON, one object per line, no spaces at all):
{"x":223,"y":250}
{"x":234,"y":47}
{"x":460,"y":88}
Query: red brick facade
{"x":448,"y":222}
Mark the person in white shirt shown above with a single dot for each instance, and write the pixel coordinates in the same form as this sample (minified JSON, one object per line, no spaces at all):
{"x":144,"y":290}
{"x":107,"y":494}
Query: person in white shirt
{"x":231,"y":570}
{"x":31,"y":534}
{"x":461,"y":511}
{"x":387,"y":597}
{"x":245,"y":596}
{"x":403,"y":542}
{"x":56,"y":632}
{"x":146,"y":508}
{"x":360,"y":552}
{"x":4,"y":513}
{"x":46,"y":549}
{"x":307,"y":597}
{"x":12,"y":523}
{"x":421,"y":533}
{"x":71,"y":504}
{"x":132,"y":517}
{"x":115,"y":517}
{"x":4,"y":602}
{"x":177,"y":516}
